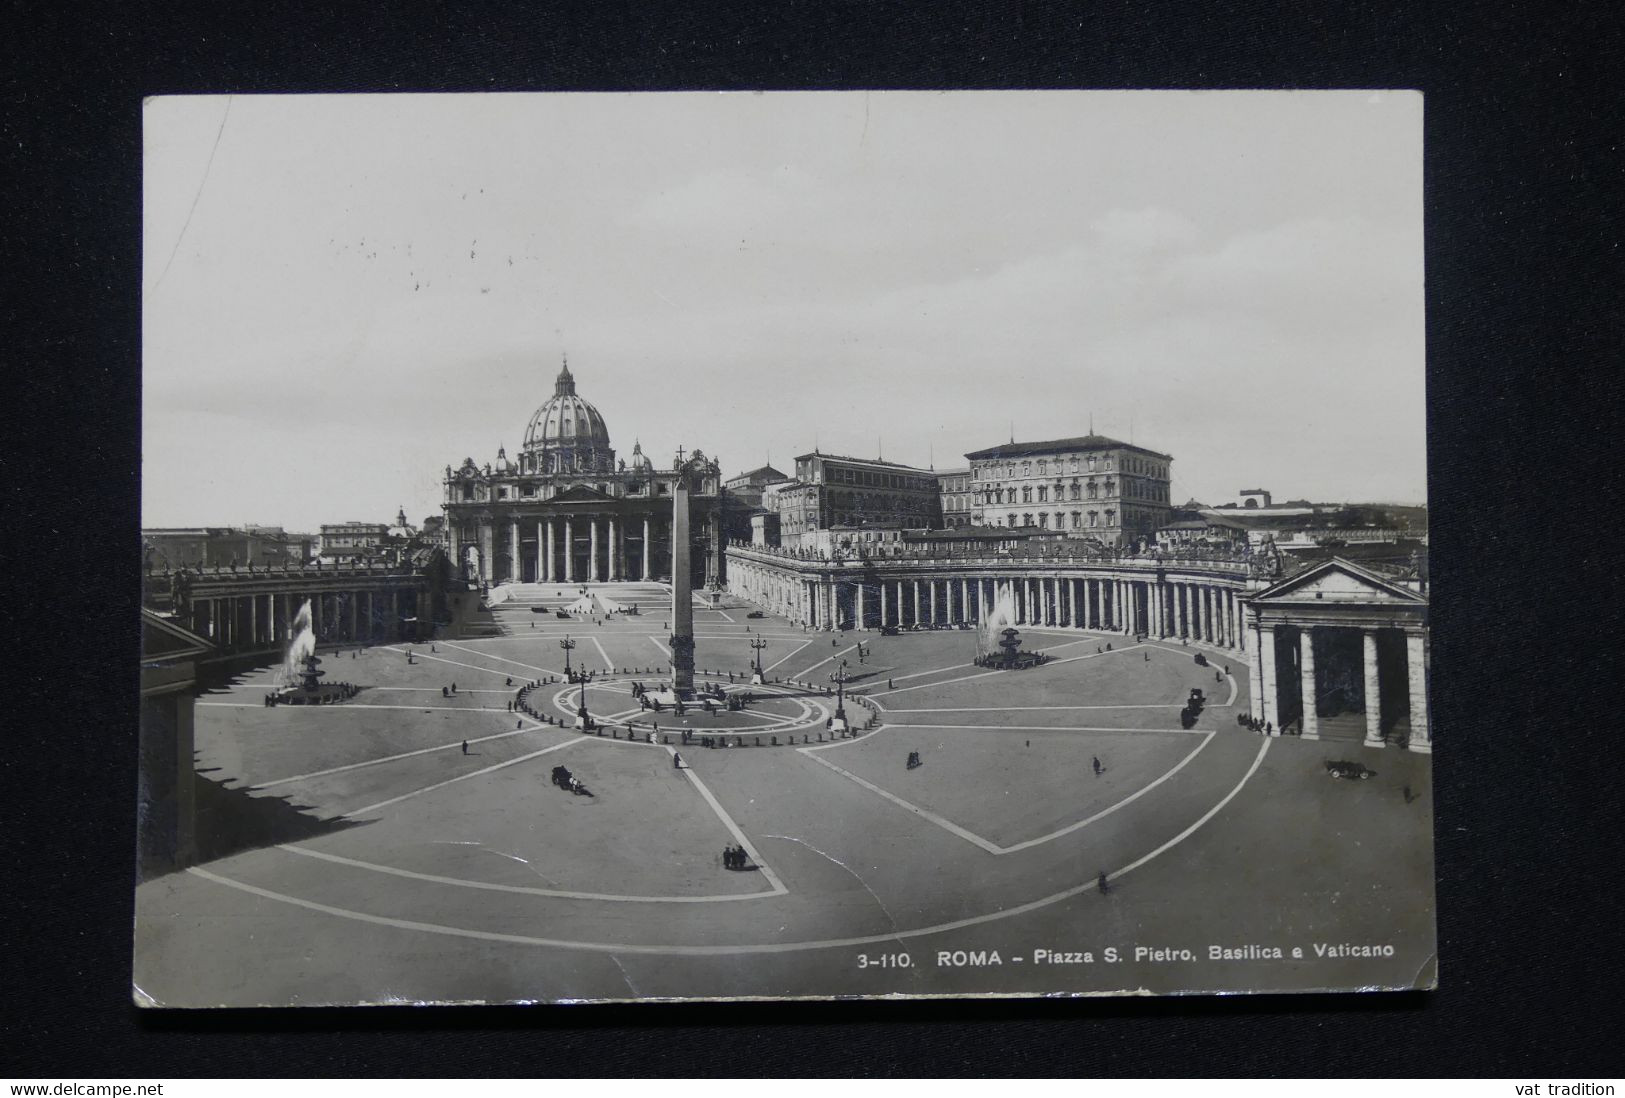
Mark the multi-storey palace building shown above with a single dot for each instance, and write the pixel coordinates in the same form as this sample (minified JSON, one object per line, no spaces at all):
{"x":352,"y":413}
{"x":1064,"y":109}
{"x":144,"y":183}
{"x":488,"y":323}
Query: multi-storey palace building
{"x":1115,"y":492}
{"x":829,"y":490}
{"x":565,"y":510}
{"x":954,"y":487}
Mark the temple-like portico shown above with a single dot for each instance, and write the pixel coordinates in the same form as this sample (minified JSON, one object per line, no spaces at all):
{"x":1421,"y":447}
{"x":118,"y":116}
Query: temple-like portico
{"x":1343,"y":656}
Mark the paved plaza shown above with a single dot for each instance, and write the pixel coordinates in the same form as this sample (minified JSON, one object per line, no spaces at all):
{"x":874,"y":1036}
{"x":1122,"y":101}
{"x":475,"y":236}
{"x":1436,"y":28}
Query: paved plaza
{"x":382,"y":861}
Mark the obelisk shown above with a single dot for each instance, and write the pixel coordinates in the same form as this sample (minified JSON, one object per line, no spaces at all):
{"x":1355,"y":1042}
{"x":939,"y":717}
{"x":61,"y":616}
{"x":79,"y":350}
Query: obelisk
{"x":682,"y":595}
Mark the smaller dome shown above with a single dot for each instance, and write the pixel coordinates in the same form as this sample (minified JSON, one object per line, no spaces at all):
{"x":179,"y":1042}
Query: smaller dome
{"x":640,"y":460}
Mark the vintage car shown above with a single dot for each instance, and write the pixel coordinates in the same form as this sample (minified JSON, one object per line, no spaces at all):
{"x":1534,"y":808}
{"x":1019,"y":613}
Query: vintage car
{"x":1342,"y":768}
{"x":888,"y":630}
{"x":756,"y":614}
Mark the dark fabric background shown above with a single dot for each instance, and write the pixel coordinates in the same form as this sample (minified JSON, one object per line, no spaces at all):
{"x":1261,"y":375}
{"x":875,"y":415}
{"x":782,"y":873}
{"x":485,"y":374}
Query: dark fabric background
{"x":1523,"y":177}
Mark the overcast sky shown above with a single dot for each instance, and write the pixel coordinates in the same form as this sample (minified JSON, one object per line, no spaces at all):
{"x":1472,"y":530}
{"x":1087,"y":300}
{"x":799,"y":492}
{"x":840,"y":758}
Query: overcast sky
{"x":345,"y":294}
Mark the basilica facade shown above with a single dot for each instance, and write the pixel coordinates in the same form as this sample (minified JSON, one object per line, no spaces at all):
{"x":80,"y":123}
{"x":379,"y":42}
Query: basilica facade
{"x":565,"y":509}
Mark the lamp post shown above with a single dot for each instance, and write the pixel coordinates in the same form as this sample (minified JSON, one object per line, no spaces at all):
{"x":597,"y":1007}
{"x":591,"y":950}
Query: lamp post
{"x":839,"y":679}
{"x":567,"y":644}
{"x":758,"y":643}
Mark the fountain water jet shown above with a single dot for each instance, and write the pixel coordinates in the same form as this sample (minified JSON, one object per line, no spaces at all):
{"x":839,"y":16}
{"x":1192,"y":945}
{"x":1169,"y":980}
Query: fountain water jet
{"x":301,"y":674}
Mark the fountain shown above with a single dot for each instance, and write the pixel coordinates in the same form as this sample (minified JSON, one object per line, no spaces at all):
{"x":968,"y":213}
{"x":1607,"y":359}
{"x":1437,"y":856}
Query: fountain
{"x":998,"y":644}
{"x":301,"y":670}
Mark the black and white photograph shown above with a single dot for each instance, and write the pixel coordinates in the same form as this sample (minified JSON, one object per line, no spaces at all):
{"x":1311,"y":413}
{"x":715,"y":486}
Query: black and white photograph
{"x":605,"y":547}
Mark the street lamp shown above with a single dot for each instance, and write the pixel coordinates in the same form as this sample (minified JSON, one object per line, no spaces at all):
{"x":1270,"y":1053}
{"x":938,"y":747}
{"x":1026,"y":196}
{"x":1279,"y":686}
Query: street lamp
{"x":567,"y":644}
{"x":758,"y":643}
{"x":839,"y":678}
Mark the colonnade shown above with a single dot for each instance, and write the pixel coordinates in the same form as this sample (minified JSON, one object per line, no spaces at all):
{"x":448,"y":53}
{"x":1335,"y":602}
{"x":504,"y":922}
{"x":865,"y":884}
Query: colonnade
{"x":1176,"y":607}
{"x":258,"y":620}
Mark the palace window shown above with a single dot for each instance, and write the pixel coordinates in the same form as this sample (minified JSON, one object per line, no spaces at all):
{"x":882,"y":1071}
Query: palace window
{"x":1091,"y":463}
{"x":1110,"y":516}
{"x":1026,"y":520}
{"x":1043,"y":520}
{"x":1026,"y":493}
{"x":1026,"y":468}
{"x":1094,"y":490}
{"x":1042,"y":467}
{"x":1094,"y":518}
{"x":1074,"y":463}
{"x":1111,"y":486}
{"x":1012,"y":520}
{"x":1043,"y":493}
{"x":1077,"y":520}
{"x":1077,"y":490}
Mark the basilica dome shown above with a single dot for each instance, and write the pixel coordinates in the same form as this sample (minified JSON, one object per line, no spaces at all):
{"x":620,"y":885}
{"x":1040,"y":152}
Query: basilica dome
{"x":567,"y":432}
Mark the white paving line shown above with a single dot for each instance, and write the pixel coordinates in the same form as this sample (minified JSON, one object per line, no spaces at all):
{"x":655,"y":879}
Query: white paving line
{"x":985,"y":674}
{"x":729,"y":619}
{"x":1042,"y":728}
{"x":557,"y":893}
{"x":733,"y":828}
{"x":1025,"y":708}
{"x":989,"y":845}
{"x":735,"y":950}
{"x":364,"y":705}
{"x":782,"y":658}
{"x":666,"y":651}
{"x":609,"y":664}
{"x":826,"y":659}
{"x":460,"y":778}
{"x":1208,"y":815}
{"x":499,"y":659}
{"x":392,"y":758}
{"x":459,"y":663}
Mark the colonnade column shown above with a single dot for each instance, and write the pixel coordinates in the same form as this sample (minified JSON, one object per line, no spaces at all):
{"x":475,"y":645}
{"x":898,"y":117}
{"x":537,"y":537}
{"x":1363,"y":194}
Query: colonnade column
{"x":883,"y":621}
{"x":592,"y":549}
{"x":541,"y":551}
{"x":253,"y":621}
{"x":487,"y":538}
{"x":1373,"y":691}
{"x":1309,"y":723}
{"x":1255,"y":689}
{"x":916,"y":602}
{"x":1179,"y":610}
{"x":1417,"y":677}
{"x":858,"y":621}
{"x":964,"y":600}
{"x":614,"y":549}
{"x":932,"y":584}
{"x":1266,"y":649}
{"x":1100,"y":604}
{"x":513,"y":551}
{"x":647,"y":555}
{"x":353,"y":617}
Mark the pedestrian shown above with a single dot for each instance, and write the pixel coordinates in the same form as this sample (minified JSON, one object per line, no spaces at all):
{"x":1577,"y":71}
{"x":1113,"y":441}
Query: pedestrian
{"x":1102,"y":882}
{"x":454,"y":688}
{"x":465,"y":747}
{"x":444,"y":693}
{"x":1098,"y":767}
{"x":676,"y":761}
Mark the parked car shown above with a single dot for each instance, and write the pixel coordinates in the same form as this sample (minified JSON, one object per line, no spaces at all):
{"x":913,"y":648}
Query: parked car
{"x":756,"y":614}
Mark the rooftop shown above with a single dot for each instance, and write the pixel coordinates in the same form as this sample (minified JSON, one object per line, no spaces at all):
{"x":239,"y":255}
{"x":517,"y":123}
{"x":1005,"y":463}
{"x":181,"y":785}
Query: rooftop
{"x":1061,"y":445}
{"x":876,"y":462}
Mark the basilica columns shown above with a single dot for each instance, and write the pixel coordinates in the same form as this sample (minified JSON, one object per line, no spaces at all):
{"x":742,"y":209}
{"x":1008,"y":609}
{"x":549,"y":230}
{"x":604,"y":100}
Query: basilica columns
{"x":513,"y":551}
{"x":592,"y":549}
{"x":614,"y":550}
{"x":647,"y":555}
